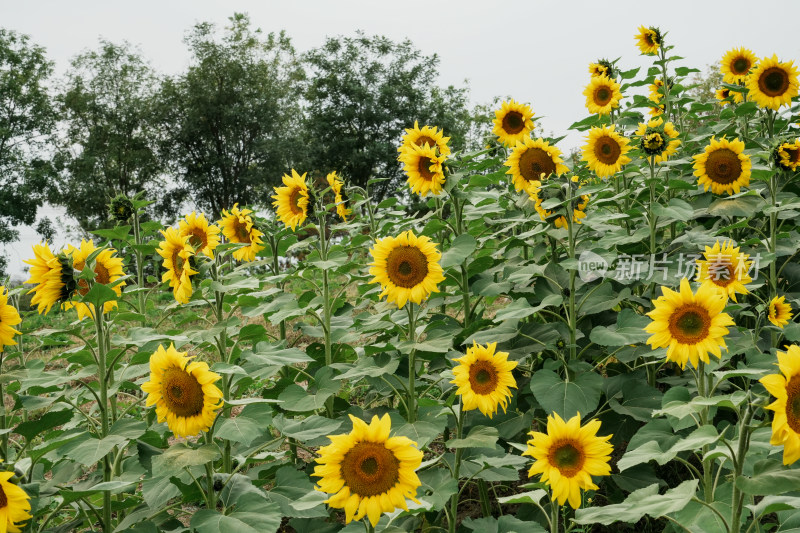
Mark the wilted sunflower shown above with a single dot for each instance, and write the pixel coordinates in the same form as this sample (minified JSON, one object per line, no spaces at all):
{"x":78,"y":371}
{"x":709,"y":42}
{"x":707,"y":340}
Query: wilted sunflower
{"x":532,"y":161}
{"x":237,"y":226}
{"x":107,"y":269}
{"x":430,"y":135}
{"x":772,"y":83}
{"x":602,"y":95}
{"x":53,"y":277}
{"x":780,"y":312}
{"x":291,"y":203}
{"x":424,"y":169}
{"x":183,"y":392}
{"x":512,"y":122}
{"x":736,"y":63}
{"x":177,"y":253}
{"x":648,"y":40}
{"x":15,"y":504}
{"x":407,"y":267}
{"x":336,"y":185}
{"x":689,"y":325}
{"x":9,"y":317}
{"x":367,"y":472}
{"x":786,"y":389}
{"x":568,"y":455}
{"x":787,"y":155}
{"x":657,"y":139}
{"x":483,"y":378}
{"x":723,"y":166}
{"x":203,"y":237}
{"x":723,"y":96}
{"x":605,"y":151}
{"x":725,"y":269}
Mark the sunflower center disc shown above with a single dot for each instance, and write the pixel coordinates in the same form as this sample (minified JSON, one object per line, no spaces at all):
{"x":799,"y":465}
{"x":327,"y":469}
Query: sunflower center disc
{"x":535,"y":162}
{"x":182,"y":393}
{"x":424,"y":139}
{"x":721,"y":273}
{"x":607,"y":150}
{"x":567,"y":457}
{"x":689,"y":324}
{"x":793,"y":403}
{"x":294,"y":202}
{"x":3,"y":499}
{"x":723,"y":166}
{"x":424,"y":168}
{"x":602,"y":96}
{"x":513,"y":122}
{"x":369,"y":469}
{"x":101,"y":274}
{"x":483,"y":377}
{"x":198,"y":239}
{"x":773,"y":82}
{"x":406,"y":266}
{"x":741,"y":66}
{"x":241,"y":230}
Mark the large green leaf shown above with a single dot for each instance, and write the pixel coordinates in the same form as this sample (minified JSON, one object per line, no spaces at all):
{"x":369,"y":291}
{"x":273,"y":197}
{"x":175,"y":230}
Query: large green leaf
{"x":662,"y":453}
{"x":772,"y":482}
{"x":180,"y":456}
{"x":240,"y":429}
{"x":646,"y":501}
{"x":461,"y":248}
{"x":567,"y":398}
{"x":478,"y":437}
{"x":265,"y":521}
{"x":88,"y":451}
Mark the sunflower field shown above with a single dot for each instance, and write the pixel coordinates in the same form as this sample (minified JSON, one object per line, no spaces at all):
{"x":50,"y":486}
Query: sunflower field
{"x":595,"y":341}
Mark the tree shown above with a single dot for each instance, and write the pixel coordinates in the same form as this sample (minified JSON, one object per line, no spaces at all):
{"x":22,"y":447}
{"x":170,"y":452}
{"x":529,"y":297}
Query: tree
{"x":363,"y":92}
{"x":231,"y":119}
{"x":108,"y":142}
{"x":26,"y":120}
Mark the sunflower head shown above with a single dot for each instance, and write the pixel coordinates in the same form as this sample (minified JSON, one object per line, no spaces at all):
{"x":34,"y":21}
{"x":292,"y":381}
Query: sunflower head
{"x":723,"y":167}
{"x":531,"y":161}
{"x":649,"y":40}
{"x":780,"y":312}
{"x":605,"y":151}
{"x":107,"y":269}
{"x":736,"y":64}
{"x":773,"y":83}
{"x":785,"y":387}
{"x":203,"y":236}
{"x":238,"y":226}
{"x":512,"y":122}
{"x":367,"y":472}
{"x":53,"y":276}
{"x":568,"y":455}
{"x":15,"y":504}
{"x":603,"y":67}
{"x":483,"y":377}
{"x":427,"y":135}
{"x":725,"y":269}
{"x":336,"y":184}
{"x":425,"y":169}
{"x":9,"y":317}
{"x":602,"y":95}
{"x":291,"y":200}
{"x":725,"y":96}
{"x":787,"y":156}
{"x":657,"y":139}
{"x":177,"y":254}
{"x":121,"y":208}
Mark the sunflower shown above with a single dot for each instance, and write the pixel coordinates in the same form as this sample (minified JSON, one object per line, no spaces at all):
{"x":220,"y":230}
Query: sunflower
{"x":787,"y":155}
{"x":237,"y":226}
{"x":203,"y":237}
{"x":772,"y":83}
{"x":533,"y":160}
{"x":578,"y":211}
{"x":367,"y":472}
{"x":183,"y":392}
{"x":483,"y":377}
{"x":15,"y":504}
{"x":291,"y":203}
{"x":53,"y":276}
{"x":336,"y":185}
{"x":430,"y":135}
{"x":177,"y":253}
{"x":568,"y":455}
{"x":9,"y":317}
{"x":689,"y":325}
{"x":424,"y":168}
{"x":107,"y":269}
{"x":512,"y":122}
{"x":723,"y":166}
{"x":648,"y":40}
{"x":657,"y":139}
{"x":786,"y":389}
{"x":602,"y":95}
{"x":780,"y":312}
{"x":723,"y":96}
{"x":605,"y":151}
{"x":736,"y":63}
{"x":725,"y":269}
{"x":655,"y":90}
{"x":407,"y":267}
{"x":603,"y":67}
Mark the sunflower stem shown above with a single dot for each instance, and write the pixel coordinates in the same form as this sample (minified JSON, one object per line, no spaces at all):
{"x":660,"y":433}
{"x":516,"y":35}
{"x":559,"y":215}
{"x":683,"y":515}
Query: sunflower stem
{"x":102,"y":383}
{"x":137,"y":237}
{"x":555,"y":510}
{"x":3,"y":420}
{"x":326,"y":305}
{"x":453,"y":517}
{"x":702,"y":391}
{"x":411,"y":403}
{"x":773,"y":242}
{"x":737,"y":498}
{"x":483,"y":490}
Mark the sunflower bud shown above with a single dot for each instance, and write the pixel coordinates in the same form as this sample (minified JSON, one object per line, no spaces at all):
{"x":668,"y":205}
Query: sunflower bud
{"x":121,"y":208}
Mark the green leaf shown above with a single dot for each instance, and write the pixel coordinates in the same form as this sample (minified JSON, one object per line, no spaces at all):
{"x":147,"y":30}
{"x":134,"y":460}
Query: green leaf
{"x":773,"y":482}
{"x":646,"y":501}
{"x":652,"y":450}
{"x":294,"y":493}
{"x":533,"y":496}
{"x":375,"y":366}
{"x":567,"y":398}
{"x":772,"y":504}
{"x":296,"y":398}
{"x":117,"y":233}
{"x":99,"y":294}
{"x":676,"y":210}
{"x":266,"y":353}
{"x":478,"y":437}
{"x":90,"y":450}
{"x":265,"y":521}
{"x":47,"y":421}
{"x":461,"y":248}
{"x":157,"y":491}
{"x":306,"y":429}
{"x":240,"y":429}
{"x":520,"y":308}
{"x":179,"y":456}
{"x":437,"y":487}
{"x":423,"y":432}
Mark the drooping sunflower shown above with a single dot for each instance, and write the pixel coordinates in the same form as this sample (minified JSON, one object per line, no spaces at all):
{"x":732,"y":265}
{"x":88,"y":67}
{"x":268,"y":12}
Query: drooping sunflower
{"x":15,"y":504}
{"x":53,"y":277}
{"x":773,"y":83}
{"x":483,"y":377}
{"x":602,"y":95}
{"x":603,"y":67}
{"x":786,"y":389}
{"x":237,"y":225}
{"x":689,"y":325}
{"x":407,"y":267}
{"x":780,"y":312}
{"x":183,"y":392}
{"x":336,"y":185}
{"x":655,"y":90}
{"x":512,"y":122}
{"x":725,"y":95}
{"x":605,"y":151}
{"x":578,"y":210}
{"x":430,"y":135}
{"x":291,"y":202}
{"x":9,"y":317}
{"x":787,"y":155}
{"x":723,"y":166}
{"x":568,"y":455}
{"x":367,"y":472}
{"x":657,"y":139}
{"x":107,"y":269}
{"x":203,"y":236}
{"x":648,"y":40}
{"x":725,"y":269}
{"x":424,"y":169}
{"x":177,"y":253}
{"x":533,"y":160}
{"x":736,"y":63}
